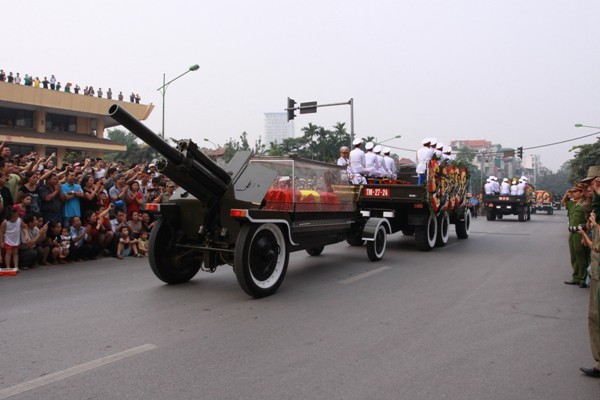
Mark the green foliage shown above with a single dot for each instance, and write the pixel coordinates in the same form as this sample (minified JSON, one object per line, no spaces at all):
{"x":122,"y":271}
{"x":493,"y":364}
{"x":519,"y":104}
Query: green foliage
{"x":316,"y":143}
{"x":136,"y":152}
{"x":586,"y":155}
{"x":558,"y":182}
{"x":232,"y":146}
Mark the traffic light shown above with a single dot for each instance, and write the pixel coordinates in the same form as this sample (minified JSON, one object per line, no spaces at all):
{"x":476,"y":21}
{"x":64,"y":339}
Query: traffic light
{"x":291,"y":105}
{"x":520,"y":152}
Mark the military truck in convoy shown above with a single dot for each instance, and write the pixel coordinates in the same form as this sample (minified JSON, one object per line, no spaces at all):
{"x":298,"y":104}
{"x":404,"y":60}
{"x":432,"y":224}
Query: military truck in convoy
{"x":497,"y":206}
{"x":542,"y":200}
{"x":423,"y":211}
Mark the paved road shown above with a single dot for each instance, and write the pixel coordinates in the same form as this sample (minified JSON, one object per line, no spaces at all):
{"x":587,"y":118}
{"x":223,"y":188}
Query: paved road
{"x":483,"y":318}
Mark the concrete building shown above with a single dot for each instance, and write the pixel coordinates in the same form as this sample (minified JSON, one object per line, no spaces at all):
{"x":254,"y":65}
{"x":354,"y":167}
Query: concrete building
{"x":277,"y":128}
{"x":49,"y":121}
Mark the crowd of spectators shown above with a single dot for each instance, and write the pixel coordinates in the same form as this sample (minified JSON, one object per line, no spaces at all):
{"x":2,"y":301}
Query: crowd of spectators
{"x":53,"y":84}
{"x":78,"y":211}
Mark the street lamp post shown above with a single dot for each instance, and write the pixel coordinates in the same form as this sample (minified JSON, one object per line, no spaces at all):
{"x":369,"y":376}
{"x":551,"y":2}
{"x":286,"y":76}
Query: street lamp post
{"x":163,"y":90}
{"x":392,"y":138}
{"x":216,"y":147}
{"x":586,"y":126}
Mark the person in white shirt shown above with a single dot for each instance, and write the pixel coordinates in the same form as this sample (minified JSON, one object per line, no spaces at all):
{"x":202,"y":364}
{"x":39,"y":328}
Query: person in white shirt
{"x":488,"y":187}
{"x":371,"y":164}
{"x":380,"y":162}
{"x":521,"y":188}
{"x":448,"y":153}
{"x":422,"y":159}
{"x":357,"y":158}
{"x":390,"y":165}
{"x":439,"y":147}
{"x":513,"y":188}
{"x":505,"y":187}
{"x":495,"y":185}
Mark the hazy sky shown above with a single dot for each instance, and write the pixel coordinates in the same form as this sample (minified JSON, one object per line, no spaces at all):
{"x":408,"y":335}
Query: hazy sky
{"x":518,"y":73}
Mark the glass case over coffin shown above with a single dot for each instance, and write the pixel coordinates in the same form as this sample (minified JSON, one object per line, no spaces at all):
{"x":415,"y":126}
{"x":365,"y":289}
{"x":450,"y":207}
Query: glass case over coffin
{"x":308,"y":186}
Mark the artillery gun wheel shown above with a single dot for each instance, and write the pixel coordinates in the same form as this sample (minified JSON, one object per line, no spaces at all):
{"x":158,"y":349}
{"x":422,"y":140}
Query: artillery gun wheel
{"x":261,"y":259}
{"x":490,"y":215}
{"x":376,"y":247}
{"x":169,"y":264}
{"x":425,"y":235}
{"x":463,"y":226}
{"x":443,"y":231}
{"x":315,"y":251}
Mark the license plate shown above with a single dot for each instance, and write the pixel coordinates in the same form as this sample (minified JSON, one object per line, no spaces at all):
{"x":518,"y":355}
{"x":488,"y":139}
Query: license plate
{"x":376,"y":192}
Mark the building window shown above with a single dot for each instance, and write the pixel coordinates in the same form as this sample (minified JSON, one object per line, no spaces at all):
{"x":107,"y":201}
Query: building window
{"x":20,"y":149}
{"x":61,"y":123}
{"x":50,"y":150}
{"x":16,"y":118}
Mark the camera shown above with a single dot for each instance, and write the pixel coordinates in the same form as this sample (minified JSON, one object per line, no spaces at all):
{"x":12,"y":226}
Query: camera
{"x":574,"y":229}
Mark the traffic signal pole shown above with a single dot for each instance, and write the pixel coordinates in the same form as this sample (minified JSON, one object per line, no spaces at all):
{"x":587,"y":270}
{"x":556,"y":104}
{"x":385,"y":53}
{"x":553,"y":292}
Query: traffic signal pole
{"x":311,"y":107}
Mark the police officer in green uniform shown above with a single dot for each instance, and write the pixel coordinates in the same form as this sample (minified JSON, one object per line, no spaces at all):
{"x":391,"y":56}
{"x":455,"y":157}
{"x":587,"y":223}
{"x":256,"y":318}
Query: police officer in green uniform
{"x":593,"y":318}
{"x":579,"y":254}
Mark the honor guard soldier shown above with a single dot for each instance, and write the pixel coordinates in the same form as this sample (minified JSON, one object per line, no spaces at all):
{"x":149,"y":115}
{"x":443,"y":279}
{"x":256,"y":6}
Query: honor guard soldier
{"x":357,"y":158}
{"x":505,"y":187}
{"x":389,"y":163}
{"x":422,"y":159}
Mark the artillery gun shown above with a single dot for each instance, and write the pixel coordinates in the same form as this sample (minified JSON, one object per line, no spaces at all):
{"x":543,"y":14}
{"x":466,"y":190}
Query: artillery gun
{"x":250,"y":215}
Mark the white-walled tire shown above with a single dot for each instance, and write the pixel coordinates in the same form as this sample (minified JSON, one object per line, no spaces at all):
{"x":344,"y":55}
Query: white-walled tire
{"x":425,"y":235}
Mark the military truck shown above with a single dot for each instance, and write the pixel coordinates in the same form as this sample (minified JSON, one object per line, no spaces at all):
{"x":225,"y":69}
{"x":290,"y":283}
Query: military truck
{"x":423,"y":211}
{"x":543,"y":200}
{"x":497,"y":206}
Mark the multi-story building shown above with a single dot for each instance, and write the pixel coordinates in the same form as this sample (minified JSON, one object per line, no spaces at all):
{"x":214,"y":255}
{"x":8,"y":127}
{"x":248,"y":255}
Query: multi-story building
{"x":277,"y":128}
{"x":49,"y":121}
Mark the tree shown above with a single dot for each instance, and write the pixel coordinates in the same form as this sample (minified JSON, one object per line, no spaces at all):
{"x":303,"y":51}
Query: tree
{"x":232,"y":146}
{"x":558,"y":182}
{"x":586,"y":155}
{"x":137,"y":152}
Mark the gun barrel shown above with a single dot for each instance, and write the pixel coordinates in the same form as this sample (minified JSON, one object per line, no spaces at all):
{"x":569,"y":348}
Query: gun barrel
{"x":123,"y":117}
{"x":186,"y":166}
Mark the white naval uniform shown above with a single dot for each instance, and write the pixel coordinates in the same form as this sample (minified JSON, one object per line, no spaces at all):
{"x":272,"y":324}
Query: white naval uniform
{"x":489,"y":188}
{"x":505,"y":189}
{"x":357,"y":161}
{"x":390,"y":166}
{"x":423,"y":157}
{"x":371,"y":164}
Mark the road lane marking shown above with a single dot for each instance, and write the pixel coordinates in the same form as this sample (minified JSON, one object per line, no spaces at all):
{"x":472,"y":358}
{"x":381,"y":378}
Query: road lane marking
{"x":76,"y":370}
{"x":363,"y":275}
{"x":502,"y":233}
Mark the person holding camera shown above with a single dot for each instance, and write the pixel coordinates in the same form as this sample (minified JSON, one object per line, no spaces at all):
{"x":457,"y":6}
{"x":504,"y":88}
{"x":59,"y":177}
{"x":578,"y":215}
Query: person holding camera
{"x":574,"y":201}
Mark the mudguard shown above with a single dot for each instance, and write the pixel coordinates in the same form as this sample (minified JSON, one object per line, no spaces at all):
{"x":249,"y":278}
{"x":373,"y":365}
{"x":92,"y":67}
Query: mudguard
{"x":370,"y":229}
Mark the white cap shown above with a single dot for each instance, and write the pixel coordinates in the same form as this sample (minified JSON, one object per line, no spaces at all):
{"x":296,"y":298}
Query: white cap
{"x":386,"y":150}
{"x":488,"y":180}
{"x":447,"y":150}
{"x":433,"y":141}
{"x":491,"y":177}
{"x":440,"y":146}
{"x":377,"y":149}
{"x":505,"y":180}
{"x":426,"y":141}
{"x":369,"y":146}
{"x":526,"y":179}
{"x":357,"y":141}
{"x":284,"y":179}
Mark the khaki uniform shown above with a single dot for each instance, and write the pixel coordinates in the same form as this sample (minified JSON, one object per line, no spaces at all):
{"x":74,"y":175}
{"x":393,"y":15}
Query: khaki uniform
{"x":593,"y":318}
{"x":579,"y":254}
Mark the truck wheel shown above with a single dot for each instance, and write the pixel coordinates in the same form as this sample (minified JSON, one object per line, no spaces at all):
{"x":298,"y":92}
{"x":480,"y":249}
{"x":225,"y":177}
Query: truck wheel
{"x":425,"y":235}
{"x":261,"y":259}
{"x":376,"y":247}
{"x":168,"y":264}
{"x":550,"y":211}
{"x":528,"y":214}
{"x":500,"y":216}
{"x":315,"y":251}
{"x":443,"y":231}
{"x":522,"y":215}
{"x":463,"y":226}
{"x":491,"y":216}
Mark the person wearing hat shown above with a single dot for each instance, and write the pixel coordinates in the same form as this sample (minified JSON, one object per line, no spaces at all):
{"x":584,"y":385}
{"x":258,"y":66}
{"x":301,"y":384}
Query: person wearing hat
{"x":593,"y":315}
{"x":389,"y":163}
{"x":488,"y":188}
{"x":371,"y":163}
{"x":422,"y":158}
{"x":380,"y":162}
{"x":447,"y":153}
{"x":357,"y":158}
{"x":495,"y":185}
{"x":152,"y":170}
{"x":439,"y":147}
{"x":592,"y":181}
{"x":514,"y":188}
{"x":505,"y":187}
{"x":521,"y":187}
{"x":574,"y":202}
